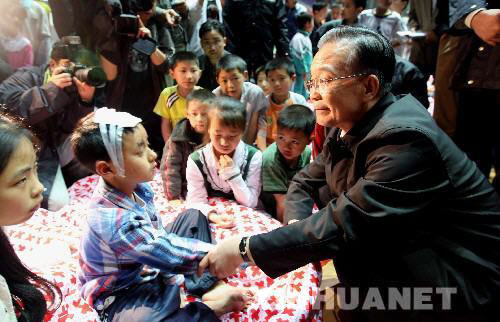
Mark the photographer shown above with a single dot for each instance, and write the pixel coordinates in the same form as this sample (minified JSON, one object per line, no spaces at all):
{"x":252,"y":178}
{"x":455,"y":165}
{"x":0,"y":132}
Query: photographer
{"x":52,"y":101}
{"x":134,"y":57}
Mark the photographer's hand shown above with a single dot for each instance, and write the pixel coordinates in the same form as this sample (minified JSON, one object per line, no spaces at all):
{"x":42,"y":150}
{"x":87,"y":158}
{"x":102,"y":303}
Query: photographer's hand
{"x":172,"y":17}
{"x":85,"y":91}
{"x":60,"y":78}
{"x":143,"y":31}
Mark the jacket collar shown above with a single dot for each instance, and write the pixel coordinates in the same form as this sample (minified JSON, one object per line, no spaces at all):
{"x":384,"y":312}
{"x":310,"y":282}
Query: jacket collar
{"x":105,"y":191}
{"x":183,"y":132}
{"x":363,"y":126}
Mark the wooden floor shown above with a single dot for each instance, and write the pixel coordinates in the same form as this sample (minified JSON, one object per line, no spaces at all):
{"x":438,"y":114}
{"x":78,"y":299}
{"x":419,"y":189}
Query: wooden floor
{"x":329,"y":275}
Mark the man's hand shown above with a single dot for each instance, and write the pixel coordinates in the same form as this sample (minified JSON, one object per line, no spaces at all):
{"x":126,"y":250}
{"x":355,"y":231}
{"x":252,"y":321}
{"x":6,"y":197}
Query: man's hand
{"x":486,"y":25}
{"x":60,"y":78}
{"x":85,"y":91}
{"x":143,"y":31}
{"x":225,"y":161}
{"x":223,"y":260}
{"x":221,"y":220}
{"x":431,"y":37}
{"x":172,"y":17}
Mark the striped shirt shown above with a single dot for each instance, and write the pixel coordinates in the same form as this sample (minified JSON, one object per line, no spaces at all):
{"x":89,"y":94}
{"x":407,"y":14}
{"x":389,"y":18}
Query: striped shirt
{"x":123,"y":239}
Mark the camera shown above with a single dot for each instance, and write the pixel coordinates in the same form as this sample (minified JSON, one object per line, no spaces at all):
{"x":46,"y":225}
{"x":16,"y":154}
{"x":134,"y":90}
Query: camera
{"x":126,"y":25}
{"x":93,"y":76}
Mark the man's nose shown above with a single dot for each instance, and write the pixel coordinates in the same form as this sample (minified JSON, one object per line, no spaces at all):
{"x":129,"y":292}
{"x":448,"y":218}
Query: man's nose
{"x":314,"y":93}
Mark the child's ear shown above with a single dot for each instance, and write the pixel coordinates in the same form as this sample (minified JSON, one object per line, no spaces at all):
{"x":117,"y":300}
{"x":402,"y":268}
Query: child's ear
{"x":293,"y":77}
{"x":103,"y":168}
{"x":245,"y":75}
{"x":171,"y":72}
{"x":225,"y":42}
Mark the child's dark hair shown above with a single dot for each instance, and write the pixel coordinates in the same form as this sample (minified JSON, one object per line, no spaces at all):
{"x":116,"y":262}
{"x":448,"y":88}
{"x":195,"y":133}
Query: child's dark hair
{"x":297,"y":117}
{"x":230,"y":112}
{"x":201,"y":95}
{"x":303,"y":19}
{"x":230,"y":62}
{"x":260,"y":69}
{"x":27,"y":289}
{"x":281,"y":63}
{"x":360,"y":3}
{"x":339,"y":6}
{"x":212,"y":24}
{"x":319,"y":5}
{"x":180,"y":56}
{"x":87,"y":143}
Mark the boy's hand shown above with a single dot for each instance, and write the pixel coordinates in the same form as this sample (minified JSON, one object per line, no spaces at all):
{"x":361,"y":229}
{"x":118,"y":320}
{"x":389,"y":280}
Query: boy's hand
{"x":221,"y":220}
{"x":225,"y":161}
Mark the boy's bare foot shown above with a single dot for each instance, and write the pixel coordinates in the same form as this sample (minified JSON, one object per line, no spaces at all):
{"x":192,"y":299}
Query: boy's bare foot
{"x":224,"y":298}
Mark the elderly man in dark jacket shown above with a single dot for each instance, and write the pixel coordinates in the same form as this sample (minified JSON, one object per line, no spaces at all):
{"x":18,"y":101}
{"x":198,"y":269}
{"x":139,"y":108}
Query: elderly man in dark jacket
{"x":408,"y":208}
{"x":254,"y":28}
{"x":52,"y":102}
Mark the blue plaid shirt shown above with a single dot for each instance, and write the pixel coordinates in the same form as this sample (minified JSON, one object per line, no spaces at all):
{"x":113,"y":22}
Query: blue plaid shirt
{"x":121,"y":237}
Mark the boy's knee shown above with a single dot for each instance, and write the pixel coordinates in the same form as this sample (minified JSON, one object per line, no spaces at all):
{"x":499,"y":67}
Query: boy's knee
{"x":194,"y":215}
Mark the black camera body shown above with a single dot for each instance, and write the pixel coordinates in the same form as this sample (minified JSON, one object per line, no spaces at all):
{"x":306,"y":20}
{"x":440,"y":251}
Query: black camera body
{"x":93,"y":76}
{"x":126,"y":25}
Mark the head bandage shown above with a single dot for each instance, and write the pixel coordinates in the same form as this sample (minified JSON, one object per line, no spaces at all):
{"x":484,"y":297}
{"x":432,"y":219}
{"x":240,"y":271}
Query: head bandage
{"x":111,"y":124}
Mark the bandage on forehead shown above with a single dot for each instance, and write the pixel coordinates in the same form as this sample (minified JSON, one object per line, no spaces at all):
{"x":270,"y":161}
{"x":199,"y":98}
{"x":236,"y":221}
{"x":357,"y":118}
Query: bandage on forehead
{"x":111,"y":125}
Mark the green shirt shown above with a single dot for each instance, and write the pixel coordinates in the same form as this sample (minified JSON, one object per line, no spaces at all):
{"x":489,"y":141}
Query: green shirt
{"x":276,"y":174}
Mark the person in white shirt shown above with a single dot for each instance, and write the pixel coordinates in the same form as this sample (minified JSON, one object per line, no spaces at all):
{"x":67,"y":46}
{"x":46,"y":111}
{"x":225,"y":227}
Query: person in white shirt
{"x":384,"y":21}
{"x":226,"y":167}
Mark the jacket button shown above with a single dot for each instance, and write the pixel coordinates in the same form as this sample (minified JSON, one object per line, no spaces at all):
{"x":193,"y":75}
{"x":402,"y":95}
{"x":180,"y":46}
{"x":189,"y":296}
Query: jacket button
{"x":481,"y":48}
{"x":470,"y":82}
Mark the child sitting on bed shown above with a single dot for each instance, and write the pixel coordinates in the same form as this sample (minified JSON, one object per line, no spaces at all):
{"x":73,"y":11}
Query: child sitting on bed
{"x":188,"y":134}
{"x":288,"y":155}
{"x":226,"y":167}
{"x":124,"y":234}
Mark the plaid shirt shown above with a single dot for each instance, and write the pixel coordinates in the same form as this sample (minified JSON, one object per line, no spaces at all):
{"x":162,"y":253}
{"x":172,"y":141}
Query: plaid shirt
{"x":121,"y":237}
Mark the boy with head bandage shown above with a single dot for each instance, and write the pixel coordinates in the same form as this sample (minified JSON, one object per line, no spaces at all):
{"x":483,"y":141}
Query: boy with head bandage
{"x":124,"y":235}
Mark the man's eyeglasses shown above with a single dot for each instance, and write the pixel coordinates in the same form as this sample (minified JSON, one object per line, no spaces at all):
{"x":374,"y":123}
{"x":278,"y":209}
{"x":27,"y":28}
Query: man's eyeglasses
{"x":322,"y":83}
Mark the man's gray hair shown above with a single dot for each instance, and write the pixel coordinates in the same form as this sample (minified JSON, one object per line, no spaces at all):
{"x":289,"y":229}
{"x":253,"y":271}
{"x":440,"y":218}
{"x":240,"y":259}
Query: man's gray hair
{"x":365,"y":52}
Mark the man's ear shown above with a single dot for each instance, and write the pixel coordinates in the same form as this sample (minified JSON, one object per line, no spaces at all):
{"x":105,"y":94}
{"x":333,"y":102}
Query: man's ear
{"x":371,"y":87}
{"x":104,"y":169}
{"x":245,"y":75}
{"x":225,"y":42}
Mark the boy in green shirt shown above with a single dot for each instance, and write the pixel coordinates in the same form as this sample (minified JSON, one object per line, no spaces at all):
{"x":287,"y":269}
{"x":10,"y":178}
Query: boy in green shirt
{"x":286,"y":156}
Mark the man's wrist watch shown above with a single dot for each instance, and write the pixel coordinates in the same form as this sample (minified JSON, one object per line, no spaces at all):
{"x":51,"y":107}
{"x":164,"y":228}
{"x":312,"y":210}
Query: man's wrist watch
{"x":243,"y":249}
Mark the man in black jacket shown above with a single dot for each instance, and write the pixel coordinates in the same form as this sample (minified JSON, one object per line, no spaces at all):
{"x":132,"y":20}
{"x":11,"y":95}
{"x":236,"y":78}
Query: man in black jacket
{"x":409,"y":209}
{"x":254,"y":28}
{"x":476,"y":80}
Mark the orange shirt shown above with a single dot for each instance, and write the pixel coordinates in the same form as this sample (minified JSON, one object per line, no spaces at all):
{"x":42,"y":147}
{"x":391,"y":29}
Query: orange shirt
{"x":273,"y":111}
{"x":272,"y":118}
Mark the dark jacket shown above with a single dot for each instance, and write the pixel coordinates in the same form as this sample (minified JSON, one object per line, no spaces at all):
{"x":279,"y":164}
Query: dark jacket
{"x":478,"y":64}
{"x":183,"y":141}
{"x":52,"y":112}
{"x":408,"y":209}
{"x":408,"y":79}
{"x":323,"y":29}
{"x":254,"y":28}
{"x":208,"y":78}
